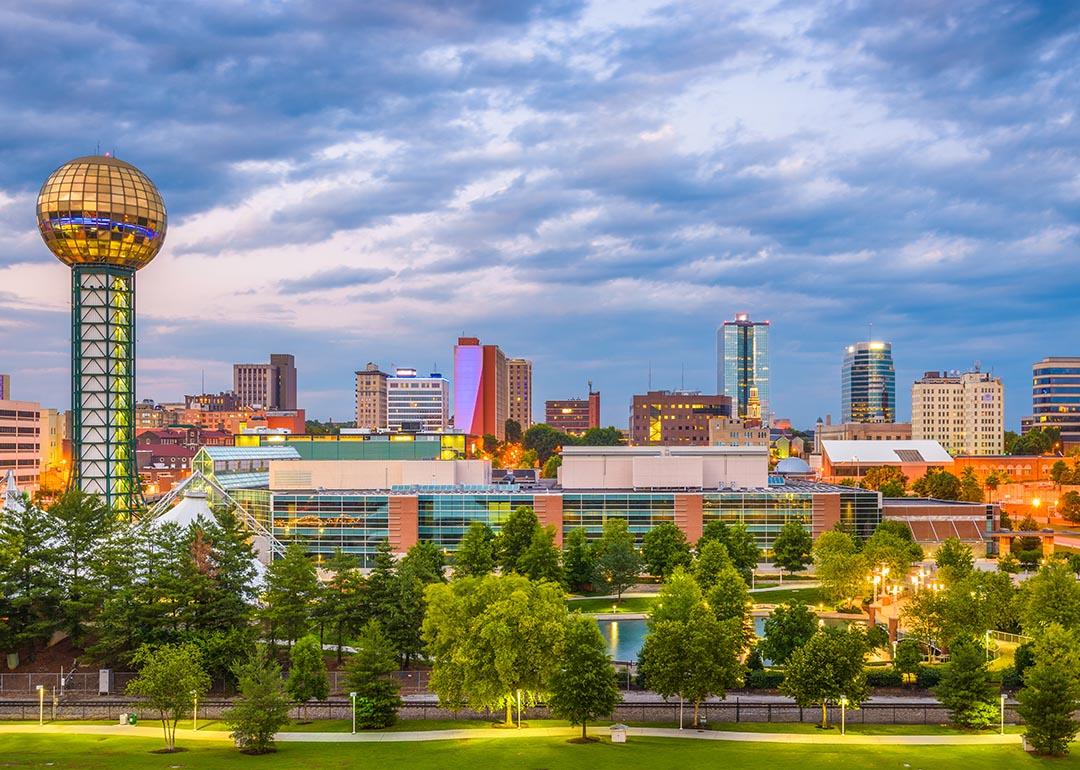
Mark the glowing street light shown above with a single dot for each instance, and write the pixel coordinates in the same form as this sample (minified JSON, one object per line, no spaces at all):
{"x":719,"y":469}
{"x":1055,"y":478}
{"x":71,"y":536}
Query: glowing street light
{"x":41,"y":704}
{"x":843,"y":715}
{"x":195,"y":711}
{"x":352,"y":697}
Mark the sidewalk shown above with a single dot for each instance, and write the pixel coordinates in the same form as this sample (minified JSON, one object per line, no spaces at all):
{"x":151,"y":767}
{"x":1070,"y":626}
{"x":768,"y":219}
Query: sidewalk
{"x":832,"y":737}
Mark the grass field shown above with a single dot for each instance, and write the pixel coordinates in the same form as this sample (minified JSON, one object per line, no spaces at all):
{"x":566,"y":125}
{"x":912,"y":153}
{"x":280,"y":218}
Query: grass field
{"x":628,"y":604}
{"x":809,"y":595}
{"x":120,"y":753}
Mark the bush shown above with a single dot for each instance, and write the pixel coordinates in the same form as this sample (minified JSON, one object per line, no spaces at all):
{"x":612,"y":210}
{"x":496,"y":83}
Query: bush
{"x":263,"y":706}
{"x":764,"y":679}
{"x":1011,"y":679}
{"x":884,"y":677}
{"x":928,"y":676}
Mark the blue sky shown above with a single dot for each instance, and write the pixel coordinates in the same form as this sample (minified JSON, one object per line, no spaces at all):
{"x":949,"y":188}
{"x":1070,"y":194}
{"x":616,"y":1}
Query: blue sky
{"x":593,"y":186}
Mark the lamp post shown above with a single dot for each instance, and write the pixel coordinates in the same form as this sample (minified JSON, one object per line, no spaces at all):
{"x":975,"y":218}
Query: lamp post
{"x":843,"y":715}
{"x":1002,"y":713}
{"x":195,"y":711}
{"x":352,"y":697}
{"x":41,"y":704}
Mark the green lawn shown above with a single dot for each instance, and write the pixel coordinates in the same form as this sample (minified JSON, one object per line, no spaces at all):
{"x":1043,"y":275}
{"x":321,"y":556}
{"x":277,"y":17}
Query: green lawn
{"x":121,"y":753}
{"x":629,"y":604}
{"x":811,"y":596}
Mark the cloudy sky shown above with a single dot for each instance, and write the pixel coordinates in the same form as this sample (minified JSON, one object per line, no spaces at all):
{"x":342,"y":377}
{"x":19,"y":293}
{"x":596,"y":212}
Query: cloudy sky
{"x":592,"y":186}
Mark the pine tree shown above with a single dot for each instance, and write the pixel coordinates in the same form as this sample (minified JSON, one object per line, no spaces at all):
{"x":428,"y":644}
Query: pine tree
{"x":584,"y":688}
{"x":291,"y":591}
{"x":369,"y":674}
{"x":307,"y":671}
{"x":965,"y":688}
{"x":32,"y":595}
{"x":1051,"y":692}
{"x":262,"y":707}
{"x":343,"y":598}
{"x":84,"y":523}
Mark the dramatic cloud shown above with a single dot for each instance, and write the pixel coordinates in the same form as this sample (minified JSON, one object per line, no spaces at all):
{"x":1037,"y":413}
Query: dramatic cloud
{"x":594,"y":186}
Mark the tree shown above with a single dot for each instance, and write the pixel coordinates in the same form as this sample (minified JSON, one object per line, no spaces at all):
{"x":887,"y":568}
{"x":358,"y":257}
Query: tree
{"x":742,"y":549}
{"x":491,"y":637}
{"x":827,"y":668}
{"x":369,"y":674}
{"x":965,"y":688}
{"x":908,"y":657}
{"x":31,"y":594}
{"x":938,"y":484}
{"x":793,"y":547}
{"x":512,"y":431}
{"x":712,"y":559}
{"x":551,"y":467}
{"x":841,"y":569}
{"x":664,"y":548}
{"x":307,"y":671}
{"x":584,"y":687}
{"x":1051,"y":596}
{"x":1051,"y":691}
{"x":291,"y":589}
{"x":617,"y":561}
{"x":788,"y":628}
{"x":544,"y":440}
{"x":729,"y":599}
{"x":1069,"y":506}
{"x":578,"y":560}
{"x":476,"y":553}
{"x":891,"y":548}
{"x":426,"y":561}
{"x":886,"y":479}
{"x":609,"y":436}
{"x":1037,"y":441}
{"x":170,"y":678}
{"x":262,"y":707}
{"x":83,"y":525}
{"x":1060,"y":473}
{"x":955,"y":556}
{"x":516,"y":536}
{"x":693,"y":658}
{"x":343,"y":598}
{"x":970,"y":488}
{"x":541,"y":560}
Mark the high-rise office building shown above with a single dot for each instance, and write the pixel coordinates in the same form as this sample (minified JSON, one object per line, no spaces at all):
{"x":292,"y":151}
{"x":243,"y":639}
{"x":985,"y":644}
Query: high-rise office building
{"x":417,"y":404}
{"x":675,"y":418}
{"x":371,"y":397}
{"x":742,"y":367}
{"x":5,"y":387}
{"x":481,"y":398}
{"x":574,"y":415}
{"x":272,"y":385}
{"x":105,"y":220}
{"x":868,"y":388}
{"x":1055,"y":397}
{"x":20,"y":442}
{"x":964,"y":412}
{"x":519,"y":371}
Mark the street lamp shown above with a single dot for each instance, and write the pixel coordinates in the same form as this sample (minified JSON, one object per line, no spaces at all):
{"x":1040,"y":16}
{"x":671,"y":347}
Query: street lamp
{"x":1002,"y":713}
{"x":843,"y":715}
{"x":41,"y":704}
{"x":352,"y":697}
{"x":195,"y":711}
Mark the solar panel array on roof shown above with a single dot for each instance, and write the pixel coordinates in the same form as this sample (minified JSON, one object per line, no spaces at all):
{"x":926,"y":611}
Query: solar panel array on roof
{"x":910,"y":456}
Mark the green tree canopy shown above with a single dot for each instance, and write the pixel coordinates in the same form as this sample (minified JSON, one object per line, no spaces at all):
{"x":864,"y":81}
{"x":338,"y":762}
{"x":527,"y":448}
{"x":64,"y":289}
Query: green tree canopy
{"x":515,"y":536}
{"x":965,"y":688}
{"x":170,"y":678}
{"x":1052,"y":595}
{"x":262,"y":706}
{"x":712,"y":559}
{"x":618,"y":563}
{"x":789,"y":627}
{"x":970,"y":488}
{"x":1069,"y":506}
{"x":842,"y":570}
{"x":307,"y":671}
{"x":793,"y":547}
{"x":955,"y":555}
{"x":292,"y":589}
{"x":545,"y":441}
{"x":493,"y":636}
{"x":542,"y":559}
{"x":1051,"y":691}
{"x":826,"y":668}
{"x":475,"y":555}
{"x":664,"y":548}
{"x":369,"y":673}
{"x":583,"y":688}
{"x":938,"y":484}
{"x":578,"y":560}
{"x":888,"y":480}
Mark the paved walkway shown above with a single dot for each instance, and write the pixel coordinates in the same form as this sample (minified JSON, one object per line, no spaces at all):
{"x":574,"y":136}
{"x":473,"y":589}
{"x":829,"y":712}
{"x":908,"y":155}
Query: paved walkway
{"x":831,"y":737}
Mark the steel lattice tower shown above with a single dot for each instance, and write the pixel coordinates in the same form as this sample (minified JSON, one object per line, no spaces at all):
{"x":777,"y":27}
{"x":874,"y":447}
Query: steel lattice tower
{"x":105,"y":219}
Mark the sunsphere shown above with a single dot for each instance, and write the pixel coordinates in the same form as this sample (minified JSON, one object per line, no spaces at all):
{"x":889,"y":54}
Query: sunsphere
{"x":101,"y":210}
{"x":105,"y":220}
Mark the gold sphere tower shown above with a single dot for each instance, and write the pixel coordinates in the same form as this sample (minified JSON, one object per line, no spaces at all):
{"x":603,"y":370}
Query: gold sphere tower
{"x":105,"y":219}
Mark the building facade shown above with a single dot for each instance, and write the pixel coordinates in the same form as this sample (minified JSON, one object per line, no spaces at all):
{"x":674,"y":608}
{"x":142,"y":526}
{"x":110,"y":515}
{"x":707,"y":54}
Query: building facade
{"x":20,"y":442}
{"x":860,"y":431}
{"x":271,"y":386}
{"x":731,"y":431}
{"x":417,"y":404}
{"x":868,"y":383}
{"x":574,"y":415}
{"x":481,"y":388}
{"x":1055,"y":397}
{"x":742,"y":367}
{"x":520,"y":391}
{"x":226,"y":401}
{"x":5,"y":387}
{"x":964,"y":412}
{"x":675,"y":418}
{"x":371,"y":397}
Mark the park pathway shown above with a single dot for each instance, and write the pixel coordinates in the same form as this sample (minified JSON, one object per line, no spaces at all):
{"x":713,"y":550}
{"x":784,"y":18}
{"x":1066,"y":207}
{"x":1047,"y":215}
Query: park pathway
{"x":833,"y":737}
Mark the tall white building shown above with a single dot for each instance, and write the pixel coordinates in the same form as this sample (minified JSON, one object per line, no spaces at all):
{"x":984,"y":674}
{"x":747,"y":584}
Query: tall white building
{"x":416,"y":403}
{"x":964,"y":412}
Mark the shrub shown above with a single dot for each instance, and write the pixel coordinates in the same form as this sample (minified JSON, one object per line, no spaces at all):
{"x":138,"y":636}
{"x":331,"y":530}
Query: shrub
{"x":928,"y":676}
{"x":884,"y":677}
{"x":764,"y":679}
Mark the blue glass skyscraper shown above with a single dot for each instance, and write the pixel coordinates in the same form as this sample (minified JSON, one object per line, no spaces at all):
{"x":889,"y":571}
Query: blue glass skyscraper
{"x":742,"y":367}
{"x":868,"y":383}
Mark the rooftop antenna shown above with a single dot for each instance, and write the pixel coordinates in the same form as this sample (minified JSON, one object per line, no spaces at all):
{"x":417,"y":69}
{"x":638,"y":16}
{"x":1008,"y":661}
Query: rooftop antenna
{"x":871,"y":338}
{"x":97,"y":150}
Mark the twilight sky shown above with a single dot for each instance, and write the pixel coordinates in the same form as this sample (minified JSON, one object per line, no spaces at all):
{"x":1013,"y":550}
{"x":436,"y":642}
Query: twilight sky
{"x":592,"y":186}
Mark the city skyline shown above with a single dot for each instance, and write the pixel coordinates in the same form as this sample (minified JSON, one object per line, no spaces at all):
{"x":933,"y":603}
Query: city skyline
{"x":475,"y":200}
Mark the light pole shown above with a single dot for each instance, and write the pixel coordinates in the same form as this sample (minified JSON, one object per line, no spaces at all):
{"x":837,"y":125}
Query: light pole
{"x":352,"y":697}
{"x":195,"y":711}
{"x":41,"y":704}
{"x":1002,"y":713}
{"x":843,"y":715}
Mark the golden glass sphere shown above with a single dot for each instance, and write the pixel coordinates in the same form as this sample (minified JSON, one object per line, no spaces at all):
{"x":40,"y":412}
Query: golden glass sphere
{"x":101,"y":210}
